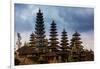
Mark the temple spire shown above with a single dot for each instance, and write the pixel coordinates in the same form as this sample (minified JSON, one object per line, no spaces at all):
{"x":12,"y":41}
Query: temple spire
{"x":40,"y":31}
{"x":64,"y":46}
{"x":53,"y":37}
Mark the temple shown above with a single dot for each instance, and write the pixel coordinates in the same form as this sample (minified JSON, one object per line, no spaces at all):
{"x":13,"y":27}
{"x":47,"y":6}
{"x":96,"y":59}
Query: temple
{"x":42,"y":50}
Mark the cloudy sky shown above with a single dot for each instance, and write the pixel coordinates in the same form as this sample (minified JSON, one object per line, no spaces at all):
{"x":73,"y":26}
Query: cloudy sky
{"x":71,"y":18}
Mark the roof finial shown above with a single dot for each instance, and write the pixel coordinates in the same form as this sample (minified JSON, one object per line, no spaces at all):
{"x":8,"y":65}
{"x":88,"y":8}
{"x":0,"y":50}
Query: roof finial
{"x":39,"y":10}
{"x":53,"y":21}
{"x":76,"y":34}
{"x":64,"y":29}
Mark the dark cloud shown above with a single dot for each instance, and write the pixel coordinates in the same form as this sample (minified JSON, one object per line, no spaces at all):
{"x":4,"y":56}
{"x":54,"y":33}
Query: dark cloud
{"x":23,"y":26}
{"x":70,"y":18}
{"x":81,"y":19}
{"x":20,"y":6}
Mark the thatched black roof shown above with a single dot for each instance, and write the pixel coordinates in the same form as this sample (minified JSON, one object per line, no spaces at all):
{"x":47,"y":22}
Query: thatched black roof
{"x":25,"y":50}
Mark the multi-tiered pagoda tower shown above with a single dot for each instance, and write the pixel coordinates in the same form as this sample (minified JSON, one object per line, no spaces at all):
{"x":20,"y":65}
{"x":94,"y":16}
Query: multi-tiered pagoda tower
{"x":64,"y":46}
{"x":76,"y":47}
{"x":32,"y":42}
{"x":52,"y":54}
{"x":40,"y":36}
{"x":53,"y":37}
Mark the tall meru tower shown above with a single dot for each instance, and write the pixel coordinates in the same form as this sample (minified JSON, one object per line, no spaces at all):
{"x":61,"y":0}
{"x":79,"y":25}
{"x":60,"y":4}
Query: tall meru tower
{"x":40,"y":31}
